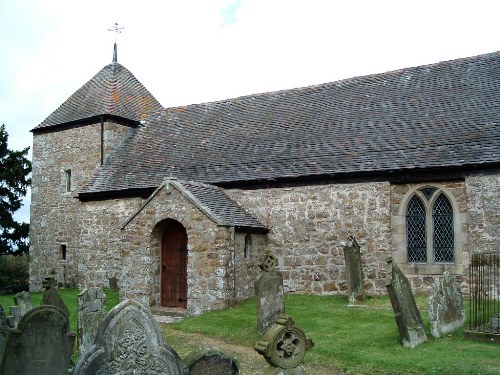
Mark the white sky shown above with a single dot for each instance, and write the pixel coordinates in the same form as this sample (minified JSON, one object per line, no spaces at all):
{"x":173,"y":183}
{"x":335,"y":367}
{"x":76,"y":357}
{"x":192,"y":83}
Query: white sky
{"x":190,"y":51}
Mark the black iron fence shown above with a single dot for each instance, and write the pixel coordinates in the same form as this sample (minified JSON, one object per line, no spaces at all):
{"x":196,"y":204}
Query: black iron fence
{"x":485,"y":293}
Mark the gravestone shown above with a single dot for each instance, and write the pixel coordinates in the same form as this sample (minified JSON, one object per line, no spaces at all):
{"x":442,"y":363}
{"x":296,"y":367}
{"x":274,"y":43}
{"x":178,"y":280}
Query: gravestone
{"x":446,"y":306}
{"x":91,"y":311}
{"x":3,"y":332}
{"x":406,"y":313}
{"x":52,"y":297}
{"x":23,"y":300}
{"x":15,"y":316}
{"x":129,"y":341}
{"x":211,"y":361}
{"x":354,"y":271}
{"x":284,"y":346}
{"x":269,"y":293}
{"x":41,"y":344}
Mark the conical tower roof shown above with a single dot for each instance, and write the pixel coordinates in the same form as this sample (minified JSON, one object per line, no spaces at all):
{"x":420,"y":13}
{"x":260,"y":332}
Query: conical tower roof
{"x":114,"y":92}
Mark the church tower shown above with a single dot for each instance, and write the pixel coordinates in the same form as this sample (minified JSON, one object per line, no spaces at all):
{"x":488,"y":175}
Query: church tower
{"x":68,"y":147}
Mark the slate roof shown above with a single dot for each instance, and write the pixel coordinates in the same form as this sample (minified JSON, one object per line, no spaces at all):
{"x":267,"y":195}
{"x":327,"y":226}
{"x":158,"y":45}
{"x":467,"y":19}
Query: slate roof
{"x":113,"y":92}
{"x":225,"y":210}
{"x":443,"y":115}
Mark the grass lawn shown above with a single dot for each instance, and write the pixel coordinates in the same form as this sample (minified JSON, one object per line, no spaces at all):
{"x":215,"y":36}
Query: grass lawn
{"x":357,"y":340}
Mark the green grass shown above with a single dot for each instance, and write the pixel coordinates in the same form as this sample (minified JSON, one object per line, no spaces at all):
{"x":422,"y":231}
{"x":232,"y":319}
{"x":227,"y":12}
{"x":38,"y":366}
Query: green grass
{"x":357,"y":340}
{"x":69,"y":296}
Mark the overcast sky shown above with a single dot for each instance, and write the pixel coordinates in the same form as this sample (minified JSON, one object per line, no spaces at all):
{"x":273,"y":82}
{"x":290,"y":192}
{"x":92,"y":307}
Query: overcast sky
{"x":195,"y":51}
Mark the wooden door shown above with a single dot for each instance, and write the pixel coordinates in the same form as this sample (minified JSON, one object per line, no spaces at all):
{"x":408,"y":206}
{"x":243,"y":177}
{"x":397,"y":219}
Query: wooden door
{"x":174,"y":266}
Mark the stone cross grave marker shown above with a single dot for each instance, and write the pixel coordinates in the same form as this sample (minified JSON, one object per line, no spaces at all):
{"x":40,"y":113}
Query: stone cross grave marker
{"x":406,"y":313}
{"x":270,"y":298}
{"x":91,"y":311}
{"x":41,"y":344}
{"x":354,"y":271}
{"x":446,"y":306}
{"x":211,"y":361}
{"x":284,"y":346}
{"x":23,"y":300}
{"x":129,"y":341}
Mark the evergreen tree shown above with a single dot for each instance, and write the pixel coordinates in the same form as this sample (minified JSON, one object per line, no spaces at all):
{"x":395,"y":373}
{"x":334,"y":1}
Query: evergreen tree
{"x":15,"y":179}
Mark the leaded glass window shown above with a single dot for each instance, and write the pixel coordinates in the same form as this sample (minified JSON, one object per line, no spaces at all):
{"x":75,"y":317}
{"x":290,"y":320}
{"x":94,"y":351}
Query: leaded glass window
{"x":443,"y":241}
{"x":416,"y":231}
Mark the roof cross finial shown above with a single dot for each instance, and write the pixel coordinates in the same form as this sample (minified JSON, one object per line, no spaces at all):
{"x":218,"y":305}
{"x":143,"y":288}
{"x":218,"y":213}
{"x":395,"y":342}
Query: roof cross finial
{"x":117,"y":30}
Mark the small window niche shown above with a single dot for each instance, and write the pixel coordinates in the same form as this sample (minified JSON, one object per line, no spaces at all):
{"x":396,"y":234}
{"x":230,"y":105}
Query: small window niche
{"x":67,"y":180}
{"x":247,"y":247}
{"x":63,"y":251}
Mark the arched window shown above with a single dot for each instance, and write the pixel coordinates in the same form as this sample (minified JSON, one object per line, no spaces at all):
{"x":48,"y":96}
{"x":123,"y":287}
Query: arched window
{"x":429,"y":227}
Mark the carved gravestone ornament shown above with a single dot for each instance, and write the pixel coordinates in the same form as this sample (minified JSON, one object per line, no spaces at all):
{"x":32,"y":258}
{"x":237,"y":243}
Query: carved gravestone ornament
{"x":284,"y":346}
{"x":129,"y":341}
{"x":91,"y":311}
{"x":269,"y":294}
{"x":211,"y":361}
{"x":406,"y":313}
{"x":23,"y":300}
{"x":41,"y":344}
{"x":446,"y":306}
{"x":354,"y":271}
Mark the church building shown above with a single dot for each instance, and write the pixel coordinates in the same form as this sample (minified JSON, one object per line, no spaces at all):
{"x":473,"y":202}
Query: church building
{"x":179,"y":204}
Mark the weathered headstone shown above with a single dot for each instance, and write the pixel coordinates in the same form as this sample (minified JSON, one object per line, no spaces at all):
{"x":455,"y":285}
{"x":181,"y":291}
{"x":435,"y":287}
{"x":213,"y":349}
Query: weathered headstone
{"x":269,"y":294}
{"x":354,"y":271}
{"x":15,"y":316}
{"x":91,"y":311}
{"x":211,"y":361}
{"x":446,"y":306}
{"x":129,"y":341}
{"x":3,"y":332}
{"x":41,"y":344}
{"x":406,"y":313}
{"x":284,"y":346}
{"x":23,"y":300}
{"x":52,"y":297}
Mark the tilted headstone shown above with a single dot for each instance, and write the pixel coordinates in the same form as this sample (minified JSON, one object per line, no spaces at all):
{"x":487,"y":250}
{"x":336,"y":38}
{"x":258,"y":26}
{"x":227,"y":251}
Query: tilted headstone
{"x":211,"y":361}
{"x":269,"y":294}
{"x":406,"y":313}
{"x":52,"y":297}
{"x":41,"y":344}
{"x":91,"y":311}
{"x":23,"y":300}
{"x":129,"y":341}
{"x":354,"y":271}
{"x":284,"y":346}
{"x":446,"y":306}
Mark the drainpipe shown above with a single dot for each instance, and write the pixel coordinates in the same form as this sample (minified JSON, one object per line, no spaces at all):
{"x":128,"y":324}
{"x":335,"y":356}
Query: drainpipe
{"x":234,"y":266}
{"x":102,"y":140}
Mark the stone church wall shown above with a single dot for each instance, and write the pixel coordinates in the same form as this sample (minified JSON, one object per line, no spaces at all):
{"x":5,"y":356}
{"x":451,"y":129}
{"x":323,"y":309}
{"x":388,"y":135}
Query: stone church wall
{"x":309,"y":223}
{"x":483,"y":204}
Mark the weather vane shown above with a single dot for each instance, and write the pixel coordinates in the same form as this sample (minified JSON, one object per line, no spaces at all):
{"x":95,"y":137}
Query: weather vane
{"x":116,"y":29}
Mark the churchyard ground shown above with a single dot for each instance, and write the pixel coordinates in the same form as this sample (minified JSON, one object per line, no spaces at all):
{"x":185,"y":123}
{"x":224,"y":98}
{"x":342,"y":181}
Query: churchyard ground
{"x":348,"y":340}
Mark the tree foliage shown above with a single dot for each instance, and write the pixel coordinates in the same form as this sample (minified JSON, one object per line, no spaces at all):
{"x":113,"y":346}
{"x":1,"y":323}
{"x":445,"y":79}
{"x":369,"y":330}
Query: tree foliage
{"x":15,"y":179}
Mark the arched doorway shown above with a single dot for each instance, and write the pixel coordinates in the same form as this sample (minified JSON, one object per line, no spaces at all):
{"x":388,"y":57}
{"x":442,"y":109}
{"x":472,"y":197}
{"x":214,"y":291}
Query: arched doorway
{"x":174,"y":265}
